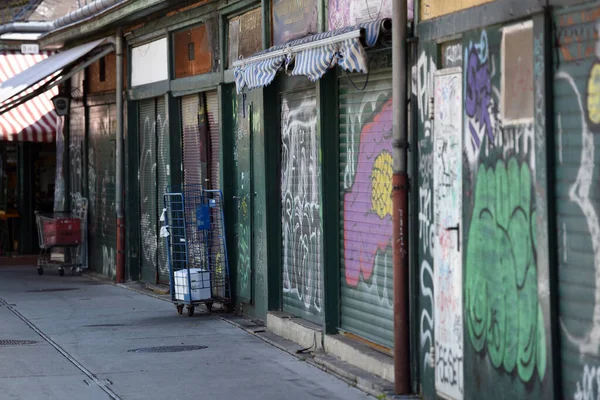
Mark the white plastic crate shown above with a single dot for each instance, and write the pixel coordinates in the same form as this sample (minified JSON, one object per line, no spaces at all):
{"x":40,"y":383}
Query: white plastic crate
{"x":199,"y":281}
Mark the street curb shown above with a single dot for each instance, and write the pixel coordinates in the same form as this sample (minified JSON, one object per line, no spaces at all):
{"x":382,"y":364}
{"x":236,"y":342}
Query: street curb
{"x":347,"y":373}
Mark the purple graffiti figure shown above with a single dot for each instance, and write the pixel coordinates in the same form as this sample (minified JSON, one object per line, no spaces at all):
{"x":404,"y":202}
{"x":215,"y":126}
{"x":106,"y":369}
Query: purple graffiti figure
{"x":366,"y":230}
{"x":478,"y":96}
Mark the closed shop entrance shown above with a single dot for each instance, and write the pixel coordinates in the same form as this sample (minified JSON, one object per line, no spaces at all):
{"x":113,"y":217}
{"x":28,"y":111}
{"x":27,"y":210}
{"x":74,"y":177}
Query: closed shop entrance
{"x":365,"y":129}
{"x":301,"y":204}
{"x":153,"y":180}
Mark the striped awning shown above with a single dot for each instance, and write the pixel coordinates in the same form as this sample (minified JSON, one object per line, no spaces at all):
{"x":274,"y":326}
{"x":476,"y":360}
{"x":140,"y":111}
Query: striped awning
{"x":311,"y":56}
{"x":34,"y":120}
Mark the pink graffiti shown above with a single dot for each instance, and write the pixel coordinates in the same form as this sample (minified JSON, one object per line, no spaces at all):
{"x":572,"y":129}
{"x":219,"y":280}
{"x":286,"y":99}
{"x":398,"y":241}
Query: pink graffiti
{"x":364,"y":231}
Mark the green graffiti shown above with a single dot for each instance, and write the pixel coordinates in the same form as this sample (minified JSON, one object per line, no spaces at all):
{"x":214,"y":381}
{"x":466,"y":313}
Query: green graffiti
{"x":244,"y":261}
{"x":502,"y":310}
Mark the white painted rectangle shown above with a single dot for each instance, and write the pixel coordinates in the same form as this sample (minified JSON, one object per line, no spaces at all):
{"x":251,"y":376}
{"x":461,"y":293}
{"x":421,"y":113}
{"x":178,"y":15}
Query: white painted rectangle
{"x":199,"y":281}
{"x":447,"y":206}
{"x":150,"y":63}
{"x":30,"y":48}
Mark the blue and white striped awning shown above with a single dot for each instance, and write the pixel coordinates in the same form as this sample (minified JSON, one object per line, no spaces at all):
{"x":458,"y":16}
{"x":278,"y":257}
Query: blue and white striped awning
{"x":311,"y":56}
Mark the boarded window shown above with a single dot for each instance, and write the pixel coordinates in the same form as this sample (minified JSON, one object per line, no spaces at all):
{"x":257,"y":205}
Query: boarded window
{"x":517,"y":73}
{"x":193,"y":54}
{"x":245,"y":33}
{"x":102,"y":75}
{"x":293,"y":19}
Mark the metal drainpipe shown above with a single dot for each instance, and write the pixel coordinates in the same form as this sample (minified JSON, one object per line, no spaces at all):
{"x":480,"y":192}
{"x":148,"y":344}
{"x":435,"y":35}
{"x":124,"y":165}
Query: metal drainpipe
{"x":400,"y":199}
{"x":120,"y":270}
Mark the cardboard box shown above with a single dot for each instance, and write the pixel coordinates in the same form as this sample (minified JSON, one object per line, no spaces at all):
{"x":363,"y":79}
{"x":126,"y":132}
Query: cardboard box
{"x":199,"y":281}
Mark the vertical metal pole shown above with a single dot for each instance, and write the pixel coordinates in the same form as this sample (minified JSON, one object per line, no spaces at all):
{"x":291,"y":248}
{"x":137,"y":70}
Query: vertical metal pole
{"x":120,"y":270}
{"x":400,"y":199}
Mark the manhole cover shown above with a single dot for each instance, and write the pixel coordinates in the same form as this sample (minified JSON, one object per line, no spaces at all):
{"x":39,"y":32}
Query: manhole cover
{"x":102,"y":325}
{"x":167,"y":349}
{"x":51,"y":290}
{"x":8,"y":342}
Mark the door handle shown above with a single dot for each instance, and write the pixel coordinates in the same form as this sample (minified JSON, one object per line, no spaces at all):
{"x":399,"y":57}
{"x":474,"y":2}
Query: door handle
{"x":457,"y":229}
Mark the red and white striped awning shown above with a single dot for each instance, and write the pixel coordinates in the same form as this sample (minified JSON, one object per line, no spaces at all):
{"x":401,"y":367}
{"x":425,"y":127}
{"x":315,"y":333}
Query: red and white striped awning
{"x":34,"y":120}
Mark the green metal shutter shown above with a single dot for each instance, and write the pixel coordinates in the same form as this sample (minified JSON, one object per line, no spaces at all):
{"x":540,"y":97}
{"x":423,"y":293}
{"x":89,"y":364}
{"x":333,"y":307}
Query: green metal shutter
{"x":577,"y":125}
{"x":76,"y":149}
{"x":301,"y":205}
{"x":162,"y":168}
{"x":365,"y":129}
{"x":212,"y":110}
{"x":101,"y":180}
{"x":148,"y":189}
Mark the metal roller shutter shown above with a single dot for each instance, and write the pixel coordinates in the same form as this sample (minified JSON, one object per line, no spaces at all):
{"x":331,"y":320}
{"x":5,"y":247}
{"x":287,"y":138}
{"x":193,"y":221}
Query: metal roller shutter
{"x":577,"y":122}
{"x":162,"y":168}
{"x":365,"y":129}
{"x":301,"y":205}
{"x":212,"y":108}
{"x":76,"y":149}
{"x":192,"y":145}
{"x":148,"y":189}
{"x":101,"y":180}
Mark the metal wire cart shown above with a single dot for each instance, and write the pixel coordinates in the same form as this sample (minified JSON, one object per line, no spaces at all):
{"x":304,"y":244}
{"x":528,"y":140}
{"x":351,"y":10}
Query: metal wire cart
{"x":62,"y":237}
{"x":194,"y":228}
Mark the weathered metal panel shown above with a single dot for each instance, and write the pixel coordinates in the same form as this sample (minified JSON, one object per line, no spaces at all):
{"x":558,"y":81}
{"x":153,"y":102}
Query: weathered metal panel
{"x":148,"y":189}
{"x":214,"y":151}
{"x":301,"y":205}
{"x":365,"y":129}
{"x":101,"y":187}
{"x":577,"y":122}
{"x":447,"y":273}
{"x":162,"y":178}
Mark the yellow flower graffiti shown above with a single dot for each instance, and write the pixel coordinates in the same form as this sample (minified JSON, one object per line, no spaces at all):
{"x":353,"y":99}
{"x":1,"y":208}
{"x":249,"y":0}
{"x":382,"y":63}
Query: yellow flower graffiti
{"x":382,"y":185}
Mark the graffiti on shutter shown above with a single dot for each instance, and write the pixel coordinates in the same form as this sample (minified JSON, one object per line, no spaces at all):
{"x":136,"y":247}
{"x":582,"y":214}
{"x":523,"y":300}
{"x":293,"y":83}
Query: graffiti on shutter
{"x":365,"y":121}
{"x":101,"y":178}
{"x":148,"y":189}
{"x":577,"y":122}
{"x":301,"y":205}
{"x":161,"y":129}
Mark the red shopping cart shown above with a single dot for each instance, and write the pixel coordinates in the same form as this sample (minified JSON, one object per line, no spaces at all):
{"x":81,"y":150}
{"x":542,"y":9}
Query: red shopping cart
{"x":62,"y":239}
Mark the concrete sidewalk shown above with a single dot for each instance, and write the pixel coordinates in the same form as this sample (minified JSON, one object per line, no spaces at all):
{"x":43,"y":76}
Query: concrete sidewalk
{"x":85,"y":331}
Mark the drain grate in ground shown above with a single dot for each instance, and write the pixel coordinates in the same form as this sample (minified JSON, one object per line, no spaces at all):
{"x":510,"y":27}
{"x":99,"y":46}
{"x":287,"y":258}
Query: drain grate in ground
{"x":102,"y":325}
{"x":167,"y":349}
{"x":51,"y":290}
{"x":9,"y":342}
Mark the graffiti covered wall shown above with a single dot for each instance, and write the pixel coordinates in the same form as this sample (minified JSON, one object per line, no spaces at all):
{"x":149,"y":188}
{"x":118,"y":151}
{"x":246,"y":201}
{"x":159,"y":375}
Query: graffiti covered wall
{"x":505,"y":295}
{"x":577,"y":124}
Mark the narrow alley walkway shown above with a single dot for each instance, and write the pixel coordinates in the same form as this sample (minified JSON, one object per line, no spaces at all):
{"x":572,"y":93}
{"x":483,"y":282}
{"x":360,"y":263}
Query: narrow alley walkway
{"x":84,"y":332}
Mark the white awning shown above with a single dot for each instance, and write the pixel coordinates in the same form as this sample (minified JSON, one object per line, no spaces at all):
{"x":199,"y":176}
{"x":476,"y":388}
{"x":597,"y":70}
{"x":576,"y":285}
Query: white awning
{"x":50,"y":72}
